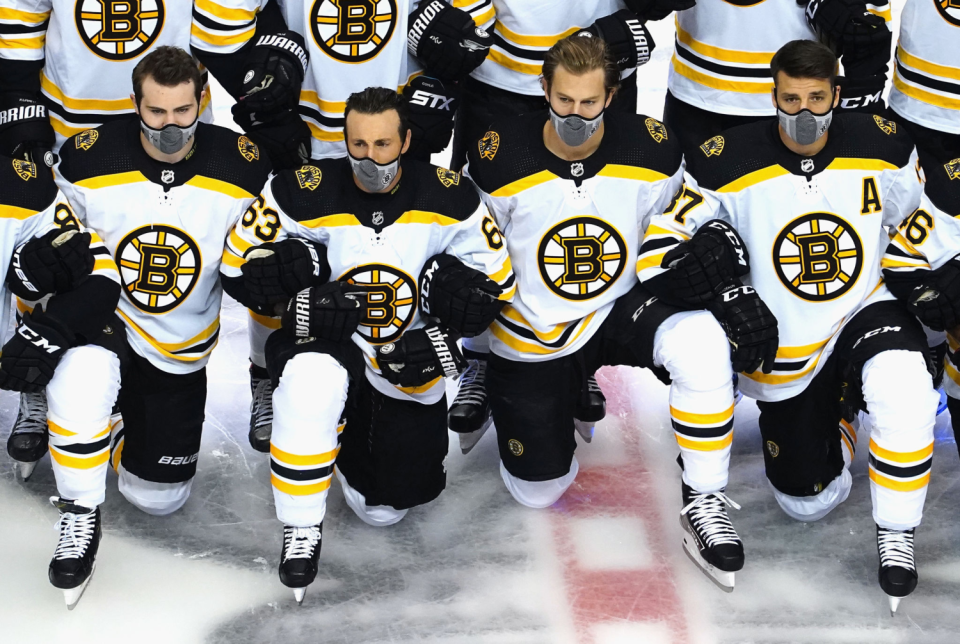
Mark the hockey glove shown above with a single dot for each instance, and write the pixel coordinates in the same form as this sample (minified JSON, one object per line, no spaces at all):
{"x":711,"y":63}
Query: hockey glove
{"x":420,"y":356}
{"x":431,"y":106}
{"x":322,"y":312}
{"x":446,"y":40}
{"x":707,"y":264}
{"x":751,"y":329}
{"x":54,"y":263}
{"x":846,"y":25}
{"x":285,"y":137}
{"x":628,"y":41}
{"x":275,"y":272}
{"x":276,"y":67}
{"x":657,"y":9}
{"x":25,"y":130}
{"x":936,"y":301}
{"x":864,"y":94}
{"x":29,"y":360}
{"x":462,"y":298}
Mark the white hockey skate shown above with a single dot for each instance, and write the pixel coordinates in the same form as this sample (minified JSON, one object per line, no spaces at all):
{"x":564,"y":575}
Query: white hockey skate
{"x":709,"y":538}
{"x":898,"y":569}
{"x":299,"y":557}
{"x":75,"y":559}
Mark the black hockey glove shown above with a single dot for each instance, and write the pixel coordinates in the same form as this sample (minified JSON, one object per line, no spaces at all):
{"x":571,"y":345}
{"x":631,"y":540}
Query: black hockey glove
{"x":446,"y":40}
{"x":25,"y":130}
{"x":845,"y":25}
{"x":751,"y":329}
{"x":419,"y":356}
{"x":28,"y":360}
{"x":462,"y":298}
{"x":430,"y":109}
{"x":276,"y":272}
{"x":276,"y":67}
{"x":322,"y":312}
{"x":54,"y":263}
{"x":285,"y":137}
{"x":864,"y":94}
{"x":936,"y":300}
{"x":628,"y":41}
{"x":657,"y":9}
{"x":713,"y":259}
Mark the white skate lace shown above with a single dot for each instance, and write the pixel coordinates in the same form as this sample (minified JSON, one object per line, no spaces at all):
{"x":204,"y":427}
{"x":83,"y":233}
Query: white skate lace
{"x":76,"y":533}
{"x":472,"y":389}
{"x":708,"y":515}
{"x":299,"y":543}
{"x":261,"y":407}
{"x":896,"y":548}
{"x":32,"y":418}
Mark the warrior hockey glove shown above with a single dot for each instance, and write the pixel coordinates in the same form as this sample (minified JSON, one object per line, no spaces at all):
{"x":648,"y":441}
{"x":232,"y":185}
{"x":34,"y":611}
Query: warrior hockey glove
{"x":276,"y":67}
{"x":751,"y":329}
{"x":54,"y":263}
{"x":322,"y":312}
{"x":25,"y":130}
{"x":846,"y":25}
{"x":275,"y":272}
{"x":462,"y":298}
{"x":446,"y":40}
{"x":936,"y":301}
{"x":430,"y":109}
{"x":285,"y":137}
{"x":628,"y":41}
{"x":29,"y":360}
{"x":707,"y":264}
{"x":657,"y":9}
{"x":420,"y":356}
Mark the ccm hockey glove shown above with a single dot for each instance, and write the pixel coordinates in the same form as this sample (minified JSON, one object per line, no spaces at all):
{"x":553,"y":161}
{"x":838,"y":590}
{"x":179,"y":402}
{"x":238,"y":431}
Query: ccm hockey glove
{"x":54,"y":263}
{"x":751,"y":329}
{"x":29,"y":359}
{"x":25,"y":130}
{"x":420,"y":356}
{"x":446,"y":40}
{"x":936,"y":300}
{"x":275,"y":272}
{"x":322,"y":312}
{"x":462,"y":298}
{"x":713,"y":259}
{"x":430,"y":109}
{"x":628,"y":41}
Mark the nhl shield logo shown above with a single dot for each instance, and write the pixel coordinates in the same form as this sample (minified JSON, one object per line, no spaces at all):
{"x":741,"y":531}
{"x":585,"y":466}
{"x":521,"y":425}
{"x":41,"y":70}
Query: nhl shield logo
{"x":888,"y":127}
{"x":24,"y":169}
{"x":377,"y":218}
{"x":448,"y":177}
{"x":86,"y":139}
{"x":713,"y":147}
{"x":119,"y":30}
{"x":953,"y":169}
{"x":167,"y":176}
{"x":248,"y":149}
{"x":309,"y":177}
{"x":576,"y":169}
{"x":353,"y":31}
{"x":657,"y":130}
{"x":489,"y":145}
{"x":807,"y":165}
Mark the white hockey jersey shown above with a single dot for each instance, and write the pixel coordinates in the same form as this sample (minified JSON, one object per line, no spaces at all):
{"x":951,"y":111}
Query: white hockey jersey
{"x":352,"y":46}
{"x":166,"y":226}
{"x":89,"y":49}
{"x":926,"y":74}
{"x":573,"y":229}
{"x":814,"y":228}
{"x":379,"y":243}
{"x":523,"y":31}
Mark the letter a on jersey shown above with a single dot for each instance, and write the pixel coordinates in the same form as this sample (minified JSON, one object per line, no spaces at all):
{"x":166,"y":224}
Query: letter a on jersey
{"x":119,"y":30}
{"x":581,"y":257}
{"x":818,"y":257}
{"x":353,"y":31}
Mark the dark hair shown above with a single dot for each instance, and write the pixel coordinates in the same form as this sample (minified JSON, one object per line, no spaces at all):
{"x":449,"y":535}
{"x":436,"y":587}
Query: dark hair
{"x":377,"y":100}
{"x":580,"y":55}
{"x":167,"y":66}
{"x":805,"y":59}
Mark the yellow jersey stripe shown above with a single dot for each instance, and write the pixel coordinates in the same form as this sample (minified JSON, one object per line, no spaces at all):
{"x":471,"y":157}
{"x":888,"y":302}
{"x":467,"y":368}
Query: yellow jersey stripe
{"x":110,"y":180}
{"x":225,"y":13}
{"x":651,"y":261}
{"x":165,"y":349}
{"x":532,"y":41}
{"x":219,"y":40}
{"x":933,"y":69}
{"x":58,"y":430}
{"x":22,"y":43}
{"x":15,"y":212}
{"x":425,"y":217}
{"x":719,"y":53}
{"x":630,"y":172}
{"x":924,"y":96}
{"x":94,"y":105}
{"x":502,"y":59}
{"x":87,"y":463}
{"x":20,"y":15}
{"x":742,"y":87}
{"x":216,"y":185}
{"x":847,"y":163}
{"x":526,"y":183}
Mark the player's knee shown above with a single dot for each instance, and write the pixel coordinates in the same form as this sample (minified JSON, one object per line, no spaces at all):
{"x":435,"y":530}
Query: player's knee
{"x":313,"y":386}
{"x":378,"y":516}
{"x":693,"y":347}
{"x":85,"y":385}
{"x":898,"y":390}
{"x":157,"y":499}
{"x":814,"y":508}
{"x":539,"y":494}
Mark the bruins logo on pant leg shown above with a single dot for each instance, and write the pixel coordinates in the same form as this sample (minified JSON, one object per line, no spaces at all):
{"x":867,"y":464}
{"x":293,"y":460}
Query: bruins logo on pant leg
{"x":950,"y":10}
{"x":353,"y":31}
{"x":119,"y":29}
{"x":391,"y":300}
{"x":818,"y":256}
{"x":581,"y":257}
{"x":159,"y":266}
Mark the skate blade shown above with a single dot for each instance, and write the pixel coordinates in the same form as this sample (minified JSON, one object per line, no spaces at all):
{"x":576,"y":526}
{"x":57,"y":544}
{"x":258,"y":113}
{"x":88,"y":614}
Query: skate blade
{"x":894,"y":603}
{"x":585,"y":429}
{"x":470,"y":440}
{"x":72,"y":595}
{"x":26,"y":469}
{"x":722,"y":579}
{"x":298,"y":594}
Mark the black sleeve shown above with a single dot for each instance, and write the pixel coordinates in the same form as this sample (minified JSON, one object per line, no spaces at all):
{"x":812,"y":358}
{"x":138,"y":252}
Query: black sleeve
{"x":20,"y":75}
{"x":88,"y":308}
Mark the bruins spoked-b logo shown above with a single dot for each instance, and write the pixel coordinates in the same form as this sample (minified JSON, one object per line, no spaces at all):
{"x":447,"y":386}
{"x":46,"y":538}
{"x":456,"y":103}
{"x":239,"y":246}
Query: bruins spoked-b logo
{"x":159,"y":266}
{"x":119,"y":29}
{"x":353,"y":31}
{"x":581,"y":257}
{"x":949,"y":9}
{"x":818,"y":257}
{"x":391,"y":300}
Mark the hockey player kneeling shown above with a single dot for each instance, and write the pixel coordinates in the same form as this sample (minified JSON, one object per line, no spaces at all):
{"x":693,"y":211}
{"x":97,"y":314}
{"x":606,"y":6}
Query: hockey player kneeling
{"x":380,"y":263}
{"x":811,"y":196}
{"x":574,"y":186}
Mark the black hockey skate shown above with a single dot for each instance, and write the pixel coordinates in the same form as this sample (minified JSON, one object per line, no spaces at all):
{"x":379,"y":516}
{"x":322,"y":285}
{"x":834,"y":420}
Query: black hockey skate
{"x":75,"y":559}
{"x":898,"y":569}
{"x":591,"y":409}
{"x":709,"y":538}
{"x":28,"y":440}
{"x":261,"y":409}
{"x":298,"y":559}
{"x":469,"y":415}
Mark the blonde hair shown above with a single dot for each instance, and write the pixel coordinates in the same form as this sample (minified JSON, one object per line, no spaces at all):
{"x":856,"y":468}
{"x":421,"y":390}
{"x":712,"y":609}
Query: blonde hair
{"x":580,"y":55}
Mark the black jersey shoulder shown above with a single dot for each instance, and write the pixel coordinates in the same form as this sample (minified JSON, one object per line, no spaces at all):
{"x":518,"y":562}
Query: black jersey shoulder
{"x":642,"y":142}
{"x":314,"y":190}
{"x":231,"y":157}
{"x":100,"y":151}
{"x":510,"y":150}
{"x":734,"y":153}
{"x":442,"y":191}
{"x":26,"y":185}
{"x":943,"y":187}
{"x":868,"y":136}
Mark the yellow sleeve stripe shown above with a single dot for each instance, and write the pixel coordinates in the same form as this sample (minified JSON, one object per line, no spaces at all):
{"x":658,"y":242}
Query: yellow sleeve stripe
{"x":425,"y":217}
{"x":753,"y":178}
{"x":216,"y":185}
{"x":899,"y":486}
{"x":526,"y":183}
{"x":303,"y":459}
{"x":300,"y":490}
{"x":616,"y":171}
{"x":933,"y":69}
{"x":220,"y":40}
{"x":110,"y":180}
{"x":321,"y":134}
{"x":651,"y":261}
{"x":63,"y":129}
{"x":741,"y":87}
{"x":19,"y":15}
{"x":690,"y":418}
{"x":924,"y":96}
{"x":14,"y":212}
{"x":240,"y":243}
{"x":532,"y":41}
{"x":719,"y":53}
{"x":654,"y":229}
{"x":899,"y":263}
{"x":486,"y":16}
{"x":503,"y":60}
{"x":901,"y":457}
{"x":509,"y":293}
{"x":230,"y":259}
{"x":120,"y":104}
{"x":886,"y":14}
{"x":504,"y":271}
{"x":845,"y":163}
{"x":263,"y":320}
{"x":705,"y":446}
{"x":312,"y":97}
{"x":105,"y":264}
{"x":22,"y":43}
{"x":225,"y":13}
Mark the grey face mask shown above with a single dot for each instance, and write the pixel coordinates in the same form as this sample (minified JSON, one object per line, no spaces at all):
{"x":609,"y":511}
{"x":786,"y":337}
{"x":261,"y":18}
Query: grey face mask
{"x":573,"y":129}
{"x":373,"y":176}
{"x":172,"y":138}
{"x":805,"y":127}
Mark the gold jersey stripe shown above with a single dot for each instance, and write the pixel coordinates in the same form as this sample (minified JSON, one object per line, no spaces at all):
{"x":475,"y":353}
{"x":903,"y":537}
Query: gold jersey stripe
{"x":523,"y":346}
{"x":230,"y":259}
{"x":166,"y":348}
{"x":504,"y":271}
{"x":110,"y":180}
{"x":216,"y":185}
{"x":532,"y":41}
{"x":323,"y":135}
{"x":924,"y":96}
{"x":618,"y":171}
{"x":95,"y":105}
{"x":526,"y":183}
{"x":263,"y":320}
{"x":22,"y":43}
{"x":15,"y":212}
{"x":425,"y":217}
{"x":741,"y":87}
{"x":651,"y":261}
{"x":20,"y":15}
{"x":691,"y":418}
{"x":901,"y":457}
{"x":225,"y":13}
{"x":849,"y":163}
{"x":58,"y":430}
{"x":218,"y":40}
{"x":925,"y":66}
{"x":502,"y":59}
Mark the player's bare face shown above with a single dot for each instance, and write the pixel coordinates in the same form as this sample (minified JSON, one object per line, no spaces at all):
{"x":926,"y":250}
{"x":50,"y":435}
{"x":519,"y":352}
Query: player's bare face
{"x":796,"y":94}
{"x":583,"y":95}
{"x":375,"y":136}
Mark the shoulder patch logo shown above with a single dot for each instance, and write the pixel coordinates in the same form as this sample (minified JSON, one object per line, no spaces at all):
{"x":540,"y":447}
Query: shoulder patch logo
{"x":25,"y":169}
{"x":953,"y":168}
{"x":713,"y":147}
{"x":309,"y":177}
{"x":888,"y":127}
{"x":448,"y":177}
{"x":248,"y":149}
{"x":657,"y":130}
{"x":119,"y":30}
{"x":489,"y":145}
{"x":86,"y":139}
